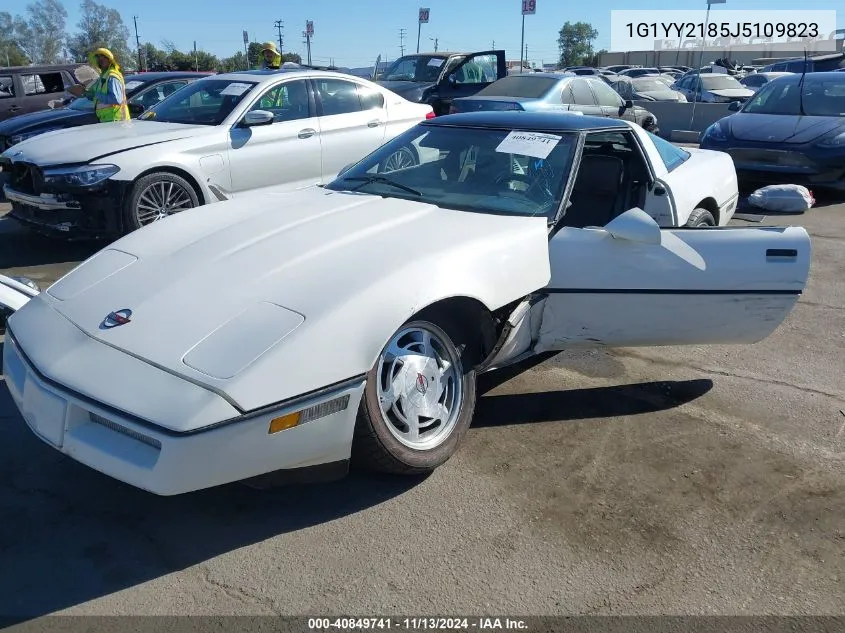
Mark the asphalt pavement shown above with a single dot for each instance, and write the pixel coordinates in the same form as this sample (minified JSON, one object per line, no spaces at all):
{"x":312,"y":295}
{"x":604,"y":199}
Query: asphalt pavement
{"x":677,"y":480}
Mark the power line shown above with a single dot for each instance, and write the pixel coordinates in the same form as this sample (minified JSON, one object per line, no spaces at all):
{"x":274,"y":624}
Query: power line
{"x":279,"y":24}
{"x":402,"y":41}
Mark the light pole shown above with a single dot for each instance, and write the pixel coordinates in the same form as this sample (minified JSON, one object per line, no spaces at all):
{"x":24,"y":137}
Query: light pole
{"x":701,"y":57}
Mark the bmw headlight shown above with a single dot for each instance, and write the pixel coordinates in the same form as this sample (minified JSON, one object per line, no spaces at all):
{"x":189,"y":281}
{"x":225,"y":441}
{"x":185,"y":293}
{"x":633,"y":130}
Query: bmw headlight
{"x":833,"y":141}
{"x":715,"y":132}
{"x":82,"y":176}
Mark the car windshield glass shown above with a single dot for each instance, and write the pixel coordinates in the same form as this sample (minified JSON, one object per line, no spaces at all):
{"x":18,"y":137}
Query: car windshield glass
{"x":820,"y":98}
{"x":82,"y":104}
{"x":472,"y":169}
{"x":204,"y":102}
{"x":717,"y":81}
{"x":414,"y":68}
{"x":524,"y":86}
{"x":649,"y":85}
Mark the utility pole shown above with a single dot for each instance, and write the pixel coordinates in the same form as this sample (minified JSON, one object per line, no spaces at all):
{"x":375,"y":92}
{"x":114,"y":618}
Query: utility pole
{"x":434,"y":39}
{"x":279,"y":24}
{"x":137,"y":41}
{"x":402,"y":42}
{"x":526,"y":54}
{"x":196,"y":59}
{"x":494,"y":44}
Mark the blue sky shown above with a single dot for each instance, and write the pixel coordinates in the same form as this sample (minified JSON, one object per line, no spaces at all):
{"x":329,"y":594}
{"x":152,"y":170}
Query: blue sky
{"x":354,"y":33}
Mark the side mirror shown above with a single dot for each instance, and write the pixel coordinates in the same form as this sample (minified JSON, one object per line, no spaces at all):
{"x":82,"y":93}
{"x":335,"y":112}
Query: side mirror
{"x":258,"y":117}
{"x":734,"y":106}
{"x":635,"y":225}
{"x":136,"y":108}
{"x":628,"y":104}
{"x":452,"y":79}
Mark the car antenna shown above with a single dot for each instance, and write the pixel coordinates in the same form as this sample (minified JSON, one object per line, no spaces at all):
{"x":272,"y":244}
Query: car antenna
{"x":801,"y":85}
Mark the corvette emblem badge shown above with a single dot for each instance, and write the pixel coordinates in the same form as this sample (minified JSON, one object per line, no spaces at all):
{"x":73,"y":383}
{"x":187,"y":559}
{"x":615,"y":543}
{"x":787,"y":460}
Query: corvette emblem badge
{"x":114,"y":319}
{"x":422,"y":383}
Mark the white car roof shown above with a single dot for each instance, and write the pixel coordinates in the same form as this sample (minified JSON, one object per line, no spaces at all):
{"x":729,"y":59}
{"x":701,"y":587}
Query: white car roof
{"x":267,"y":76}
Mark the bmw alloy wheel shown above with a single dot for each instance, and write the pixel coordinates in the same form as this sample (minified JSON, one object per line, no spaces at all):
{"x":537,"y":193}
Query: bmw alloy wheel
{"x":160,"y":199}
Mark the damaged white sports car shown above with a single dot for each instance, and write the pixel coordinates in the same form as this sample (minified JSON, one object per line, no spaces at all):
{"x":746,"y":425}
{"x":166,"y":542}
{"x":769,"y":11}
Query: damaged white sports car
{"x":348,"y":323}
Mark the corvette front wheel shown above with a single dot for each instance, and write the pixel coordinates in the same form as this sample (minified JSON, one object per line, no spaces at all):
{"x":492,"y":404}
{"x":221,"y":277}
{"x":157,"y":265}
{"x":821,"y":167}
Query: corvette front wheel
{"x":418,"y":402}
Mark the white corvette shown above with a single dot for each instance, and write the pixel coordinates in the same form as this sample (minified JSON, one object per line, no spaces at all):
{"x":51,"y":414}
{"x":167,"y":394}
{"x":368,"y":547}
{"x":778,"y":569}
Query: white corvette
{"x":348,"y":323}
{"x":211,"y":141}
{"x":14,"y":293}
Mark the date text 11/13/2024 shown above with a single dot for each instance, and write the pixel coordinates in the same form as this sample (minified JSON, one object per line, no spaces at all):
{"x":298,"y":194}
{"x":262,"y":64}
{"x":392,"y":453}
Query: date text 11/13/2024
{"x":417,"y":624}
{"x":722,"y":29}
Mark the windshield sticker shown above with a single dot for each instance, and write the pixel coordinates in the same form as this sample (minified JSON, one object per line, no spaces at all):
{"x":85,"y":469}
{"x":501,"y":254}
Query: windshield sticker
{"x":531,"y":144}
{"x":131,"y":85}
{"x":435,"y":62}
{"x":236,"y":90}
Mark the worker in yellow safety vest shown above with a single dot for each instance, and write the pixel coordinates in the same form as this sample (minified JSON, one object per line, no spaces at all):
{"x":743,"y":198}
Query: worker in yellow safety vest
{"x":272,"y":57}
{"x":108,"y":92}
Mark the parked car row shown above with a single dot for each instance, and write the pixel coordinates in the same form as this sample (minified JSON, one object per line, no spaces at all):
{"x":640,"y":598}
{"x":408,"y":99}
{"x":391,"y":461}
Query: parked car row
{"x":513,"y":234}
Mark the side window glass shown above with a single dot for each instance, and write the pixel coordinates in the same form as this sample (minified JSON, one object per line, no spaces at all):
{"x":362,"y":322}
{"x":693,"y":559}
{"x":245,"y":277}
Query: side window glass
{"x":581,"y":92}
{"x":7,"y":87}
{"x":479,"y":69}
{"x":606,"y":95}
{"x":287,"y":102}
{"x":371,"y":99}
{"x":338,"y":96}
{"x":672,"y":155}
{"x":44,"y":83}
{"x":566,"y":95}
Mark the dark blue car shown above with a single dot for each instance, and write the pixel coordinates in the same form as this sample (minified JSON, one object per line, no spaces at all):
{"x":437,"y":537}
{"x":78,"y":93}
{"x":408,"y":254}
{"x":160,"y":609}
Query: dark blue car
{"x":792,"y":131}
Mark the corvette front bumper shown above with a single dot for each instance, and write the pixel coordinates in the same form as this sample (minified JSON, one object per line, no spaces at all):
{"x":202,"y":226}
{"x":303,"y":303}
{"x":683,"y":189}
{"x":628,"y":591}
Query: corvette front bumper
{"x":134,"y":449}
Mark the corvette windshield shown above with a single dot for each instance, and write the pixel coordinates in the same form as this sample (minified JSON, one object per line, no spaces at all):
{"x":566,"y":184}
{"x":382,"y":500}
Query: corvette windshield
{"x":470,"y":169}
{"x":204,"y":102}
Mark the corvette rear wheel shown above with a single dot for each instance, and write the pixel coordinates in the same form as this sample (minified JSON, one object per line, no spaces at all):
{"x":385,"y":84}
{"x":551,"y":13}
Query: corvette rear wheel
{"x":155,"y":196}
{"x":701,"y":217}
{"x":418,"y":402}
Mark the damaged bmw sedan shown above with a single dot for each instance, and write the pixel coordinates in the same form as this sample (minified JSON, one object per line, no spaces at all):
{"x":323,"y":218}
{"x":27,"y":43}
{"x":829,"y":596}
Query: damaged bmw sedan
{"x":307,"y":331}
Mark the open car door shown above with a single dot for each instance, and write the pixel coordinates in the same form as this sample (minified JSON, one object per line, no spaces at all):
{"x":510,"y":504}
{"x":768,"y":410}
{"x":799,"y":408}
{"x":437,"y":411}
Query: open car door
{"x":633,"y":283}
{"x":474,"y":72}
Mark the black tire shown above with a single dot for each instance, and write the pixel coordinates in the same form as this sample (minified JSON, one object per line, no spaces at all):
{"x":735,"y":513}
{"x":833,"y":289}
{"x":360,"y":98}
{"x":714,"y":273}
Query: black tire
{"x":700,"y":217}
{"x":374,"y":446}
{"x":131,"y":221}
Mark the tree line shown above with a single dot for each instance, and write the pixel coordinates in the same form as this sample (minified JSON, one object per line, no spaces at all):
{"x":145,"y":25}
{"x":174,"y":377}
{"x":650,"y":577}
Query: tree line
{"x":41,"y":36}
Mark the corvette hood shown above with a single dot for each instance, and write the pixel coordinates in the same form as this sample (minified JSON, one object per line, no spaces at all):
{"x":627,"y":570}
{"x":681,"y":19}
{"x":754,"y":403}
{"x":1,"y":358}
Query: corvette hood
{"x":329,"y":265}
{"x":779,"y":128}
{"x":86,"y":143}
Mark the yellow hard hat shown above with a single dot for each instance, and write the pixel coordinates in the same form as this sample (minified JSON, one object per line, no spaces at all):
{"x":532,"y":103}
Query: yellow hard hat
{"x":270,"y":46}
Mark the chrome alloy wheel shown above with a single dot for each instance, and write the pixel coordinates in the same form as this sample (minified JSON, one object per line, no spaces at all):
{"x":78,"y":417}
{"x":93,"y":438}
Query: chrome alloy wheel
{"x":160,"y":199}
{"x":419,"y":387}
{"x":400,"y":159}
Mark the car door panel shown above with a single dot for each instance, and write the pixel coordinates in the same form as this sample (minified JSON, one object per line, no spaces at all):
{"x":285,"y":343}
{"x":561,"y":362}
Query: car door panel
{"x":348,"y":132}
{"x":646,"y":285}
{"x":492,"y":68}
{"x":286,"y":154}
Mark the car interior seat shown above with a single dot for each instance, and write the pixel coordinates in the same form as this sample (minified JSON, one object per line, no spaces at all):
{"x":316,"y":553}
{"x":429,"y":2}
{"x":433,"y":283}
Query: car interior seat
{"x":596,"y":192}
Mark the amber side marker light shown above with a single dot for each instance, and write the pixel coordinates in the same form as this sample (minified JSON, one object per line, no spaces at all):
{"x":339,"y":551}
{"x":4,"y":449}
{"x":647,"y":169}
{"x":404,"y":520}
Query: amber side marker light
{"x":290,"y":420}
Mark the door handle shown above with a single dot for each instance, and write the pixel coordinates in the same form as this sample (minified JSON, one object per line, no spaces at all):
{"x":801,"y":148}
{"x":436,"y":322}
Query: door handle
{"x":375,"y":123}
{"x":781,"y":252}
{"x":14,"y":108}
{"x":307,"y":133}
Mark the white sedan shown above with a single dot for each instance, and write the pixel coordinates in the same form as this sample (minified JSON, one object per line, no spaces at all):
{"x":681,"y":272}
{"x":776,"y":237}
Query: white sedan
{"x":347,"y":323}
{"x":211,"y":141}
